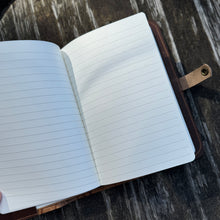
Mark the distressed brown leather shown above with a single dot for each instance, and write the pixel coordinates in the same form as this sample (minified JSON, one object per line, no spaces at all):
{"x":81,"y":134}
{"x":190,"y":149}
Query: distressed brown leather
{"x":22,"y":214}
{"x":195,"y":77}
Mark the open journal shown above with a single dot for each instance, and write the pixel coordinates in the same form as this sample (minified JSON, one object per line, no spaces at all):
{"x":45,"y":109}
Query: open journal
{"x":99,"y":111}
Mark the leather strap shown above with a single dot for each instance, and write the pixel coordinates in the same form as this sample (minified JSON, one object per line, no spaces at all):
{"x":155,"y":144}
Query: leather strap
{"x":195,"y":77}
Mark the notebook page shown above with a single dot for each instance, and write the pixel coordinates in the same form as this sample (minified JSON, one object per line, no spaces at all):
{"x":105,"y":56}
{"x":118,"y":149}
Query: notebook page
{"x":132,"y":116}
{"x":44,"y":153}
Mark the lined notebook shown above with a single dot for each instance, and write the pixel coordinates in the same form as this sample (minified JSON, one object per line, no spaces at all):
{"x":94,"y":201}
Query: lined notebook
{"x":99,"y":111}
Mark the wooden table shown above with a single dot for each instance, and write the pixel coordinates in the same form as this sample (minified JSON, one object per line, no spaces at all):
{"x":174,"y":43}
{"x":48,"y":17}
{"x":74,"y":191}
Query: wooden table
{"x":192,"y":32}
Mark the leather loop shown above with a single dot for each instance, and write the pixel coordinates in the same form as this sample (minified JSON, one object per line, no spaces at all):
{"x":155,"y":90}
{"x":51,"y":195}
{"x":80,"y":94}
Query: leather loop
{"x":195,"y":77}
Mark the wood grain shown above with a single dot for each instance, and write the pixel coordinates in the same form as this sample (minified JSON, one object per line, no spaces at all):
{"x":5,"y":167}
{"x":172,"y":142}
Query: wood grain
{"x":191,"y":29}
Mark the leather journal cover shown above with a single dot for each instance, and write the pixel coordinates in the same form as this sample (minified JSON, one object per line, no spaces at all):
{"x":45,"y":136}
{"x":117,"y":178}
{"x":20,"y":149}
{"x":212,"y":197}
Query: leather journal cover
{"x":178,"y":87}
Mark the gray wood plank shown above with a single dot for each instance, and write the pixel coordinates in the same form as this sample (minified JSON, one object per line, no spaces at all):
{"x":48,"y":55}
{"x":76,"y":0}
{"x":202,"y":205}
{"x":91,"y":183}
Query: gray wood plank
{"x":191,"y":30}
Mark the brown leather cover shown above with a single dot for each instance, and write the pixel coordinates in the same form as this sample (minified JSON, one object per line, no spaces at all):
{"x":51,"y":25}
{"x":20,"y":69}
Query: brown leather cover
{"x":30,"y":212}
{"x":195,"y":77}
{"x":22,"y":214}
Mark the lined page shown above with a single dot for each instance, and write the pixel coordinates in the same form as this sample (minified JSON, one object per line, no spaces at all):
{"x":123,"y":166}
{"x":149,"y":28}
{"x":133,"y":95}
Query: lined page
{"x":132,"y":116}
{"x":44,"y":153}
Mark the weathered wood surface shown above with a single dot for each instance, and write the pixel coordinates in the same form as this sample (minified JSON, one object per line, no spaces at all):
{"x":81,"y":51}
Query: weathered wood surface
{"x":192,"y":31}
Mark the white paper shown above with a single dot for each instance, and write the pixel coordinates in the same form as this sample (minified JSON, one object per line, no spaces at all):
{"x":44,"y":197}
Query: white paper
{"x":134,"y":123}
{"x":44,"y":153}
